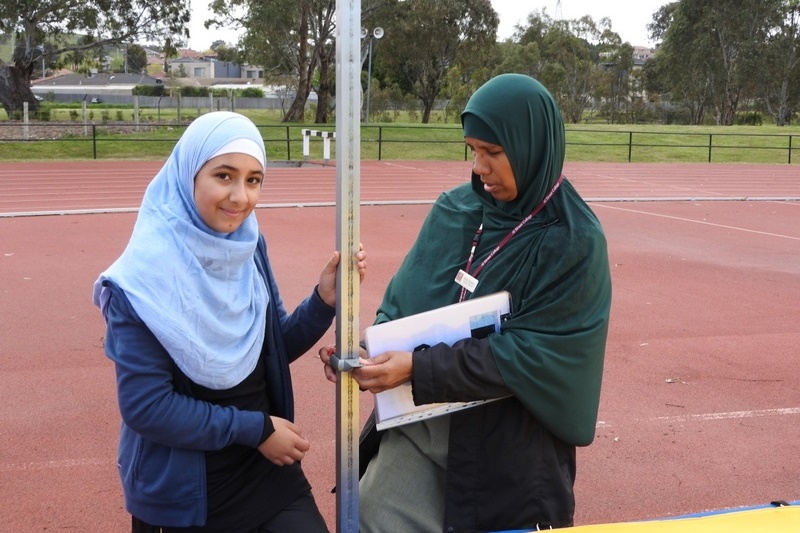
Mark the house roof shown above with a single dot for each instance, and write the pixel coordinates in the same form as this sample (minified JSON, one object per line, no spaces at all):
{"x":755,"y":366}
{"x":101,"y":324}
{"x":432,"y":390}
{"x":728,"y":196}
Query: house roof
{"x":198,"y":59}
{"x":194,"y":54}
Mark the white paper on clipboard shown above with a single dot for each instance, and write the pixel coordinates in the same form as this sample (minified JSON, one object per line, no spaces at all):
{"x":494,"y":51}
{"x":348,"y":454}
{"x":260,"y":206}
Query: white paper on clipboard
{"x":471,"y":318}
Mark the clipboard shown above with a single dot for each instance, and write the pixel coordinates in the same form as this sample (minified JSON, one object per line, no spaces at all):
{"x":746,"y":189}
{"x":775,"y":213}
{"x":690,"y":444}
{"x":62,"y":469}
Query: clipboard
{"x":477,"y":318}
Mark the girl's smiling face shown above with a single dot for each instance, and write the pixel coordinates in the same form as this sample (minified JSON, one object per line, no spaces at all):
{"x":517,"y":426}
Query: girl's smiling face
{"x":490,"y":162}
{"x":226,"y":190}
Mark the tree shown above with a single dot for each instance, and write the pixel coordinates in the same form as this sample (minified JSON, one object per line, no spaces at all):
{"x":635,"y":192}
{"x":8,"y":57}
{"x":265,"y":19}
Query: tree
{"x":718,"y":43}
{"x":50,"y":28}
{"x":425,"y":38}
{"x":780,"y":84}
{"x":225,"y":52}
{"x":136,"y":58}
{"x":521,"y":59}
{"x":678,"y":71}
{"x":216,"y":45}
{"x":170,"y":51}
{"x":533,"y":31}
{"x":229,"y":54}
{"x":614,"y":73}
{"x":286,"y":36}
{"x":322,"y":31}
{"x":281,"y":31}
{"x":559,"y":54}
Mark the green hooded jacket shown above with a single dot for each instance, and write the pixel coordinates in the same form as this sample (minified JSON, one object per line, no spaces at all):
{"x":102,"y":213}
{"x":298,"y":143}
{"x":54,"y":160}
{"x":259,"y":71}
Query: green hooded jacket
{"x":550,"y":353}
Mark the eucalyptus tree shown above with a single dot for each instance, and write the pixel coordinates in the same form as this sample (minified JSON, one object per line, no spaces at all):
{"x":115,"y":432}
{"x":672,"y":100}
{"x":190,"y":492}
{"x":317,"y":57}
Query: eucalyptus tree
{"x":226,"y":52}
{"x":613,"y":79}
{"x":568,"y":70}
{"x":42,"y":30}
{"x":520,"y":58}
{"x":559,"y":53}
{"x":424,"y":39}
{"x":536,"y":25}
{"x":717,"y":43}
{"x":135,"y":58}
{"x":678,"y":74}
{"x":779,"y":86}
{"x":286,"y":37}
{"x":613,"y":69}
{"x":682,"y":92}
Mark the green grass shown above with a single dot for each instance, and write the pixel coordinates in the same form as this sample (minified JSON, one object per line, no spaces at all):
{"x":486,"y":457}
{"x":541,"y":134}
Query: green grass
{"x":654,"y":143}
{"x":107,"y":138}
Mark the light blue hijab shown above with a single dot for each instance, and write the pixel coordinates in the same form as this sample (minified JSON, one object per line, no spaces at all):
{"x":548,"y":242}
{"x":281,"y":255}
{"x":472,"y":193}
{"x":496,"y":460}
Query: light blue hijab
{"x":196,"y":289}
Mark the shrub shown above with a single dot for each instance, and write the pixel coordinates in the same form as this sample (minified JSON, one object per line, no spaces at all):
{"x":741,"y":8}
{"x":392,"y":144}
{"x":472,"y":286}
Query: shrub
{"x":148,"y":90}
{"x":194,"y":91}
{"x":251,"y":92}
{"x":752,"y":118}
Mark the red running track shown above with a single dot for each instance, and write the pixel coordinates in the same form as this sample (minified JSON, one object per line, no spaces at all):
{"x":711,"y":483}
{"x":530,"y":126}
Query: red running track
{"x":701,"y":399}
{"x":115,"y":185}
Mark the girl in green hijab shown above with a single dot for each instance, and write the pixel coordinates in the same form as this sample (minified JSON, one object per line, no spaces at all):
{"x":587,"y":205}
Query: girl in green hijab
{"x":521,"y":227}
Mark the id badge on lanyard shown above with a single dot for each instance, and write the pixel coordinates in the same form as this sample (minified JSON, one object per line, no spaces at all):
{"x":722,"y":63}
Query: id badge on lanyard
{"x":468,"y":281}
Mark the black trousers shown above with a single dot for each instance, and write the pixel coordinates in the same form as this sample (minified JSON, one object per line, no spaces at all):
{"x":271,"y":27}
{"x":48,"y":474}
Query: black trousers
{"x":301,"y":515}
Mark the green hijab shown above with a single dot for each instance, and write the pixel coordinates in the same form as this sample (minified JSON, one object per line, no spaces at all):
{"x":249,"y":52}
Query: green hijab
{"x":550,"y":353}
{"x":522,"y":117}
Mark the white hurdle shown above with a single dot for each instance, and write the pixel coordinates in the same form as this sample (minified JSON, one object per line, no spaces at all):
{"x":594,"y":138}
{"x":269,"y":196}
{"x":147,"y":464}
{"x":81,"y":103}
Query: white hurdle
{"x":326,"y":140}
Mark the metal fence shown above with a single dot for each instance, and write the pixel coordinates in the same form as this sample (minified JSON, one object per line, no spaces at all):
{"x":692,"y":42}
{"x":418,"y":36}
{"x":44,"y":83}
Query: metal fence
{"x":207,"y":103}
{"x":117,"y":140}
{"x":710,"y":143}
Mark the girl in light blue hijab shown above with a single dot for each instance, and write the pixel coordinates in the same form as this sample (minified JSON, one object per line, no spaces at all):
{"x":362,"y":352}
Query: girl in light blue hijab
{"x":202,"y":344}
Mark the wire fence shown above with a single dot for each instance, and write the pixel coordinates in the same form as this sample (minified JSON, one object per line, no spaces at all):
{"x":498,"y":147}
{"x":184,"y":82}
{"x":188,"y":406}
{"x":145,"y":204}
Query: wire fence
{"x":120,"y":140}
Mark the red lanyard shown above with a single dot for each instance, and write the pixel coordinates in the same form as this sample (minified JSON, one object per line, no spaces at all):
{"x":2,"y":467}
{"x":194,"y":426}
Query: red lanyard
{"x":476,"y":239}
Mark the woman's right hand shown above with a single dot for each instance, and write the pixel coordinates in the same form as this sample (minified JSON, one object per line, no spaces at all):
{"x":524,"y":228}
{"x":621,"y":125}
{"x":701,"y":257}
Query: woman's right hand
{"x":385,"y":371}
{"x":377,"y":374}
{"x":286,"y":444}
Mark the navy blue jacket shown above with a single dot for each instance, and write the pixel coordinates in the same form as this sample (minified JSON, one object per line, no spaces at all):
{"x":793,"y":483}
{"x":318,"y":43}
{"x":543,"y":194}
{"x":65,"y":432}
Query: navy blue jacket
{"x":165,"y":432}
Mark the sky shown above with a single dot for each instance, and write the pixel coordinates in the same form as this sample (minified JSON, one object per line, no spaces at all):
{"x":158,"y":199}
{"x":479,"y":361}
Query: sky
{"x":628,"y":19}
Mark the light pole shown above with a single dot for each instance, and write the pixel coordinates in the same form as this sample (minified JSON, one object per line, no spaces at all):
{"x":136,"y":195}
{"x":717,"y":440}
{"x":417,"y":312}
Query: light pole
{"x":377,"y":33}
{"x":41,"y":49}
{"x":124,"y":58}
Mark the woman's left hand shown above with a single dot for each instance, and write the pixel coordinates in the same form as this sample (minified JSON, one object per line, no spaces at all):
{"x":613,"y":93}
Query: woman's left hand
{"x":327,"y":279}
{"x":325,"y":354}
